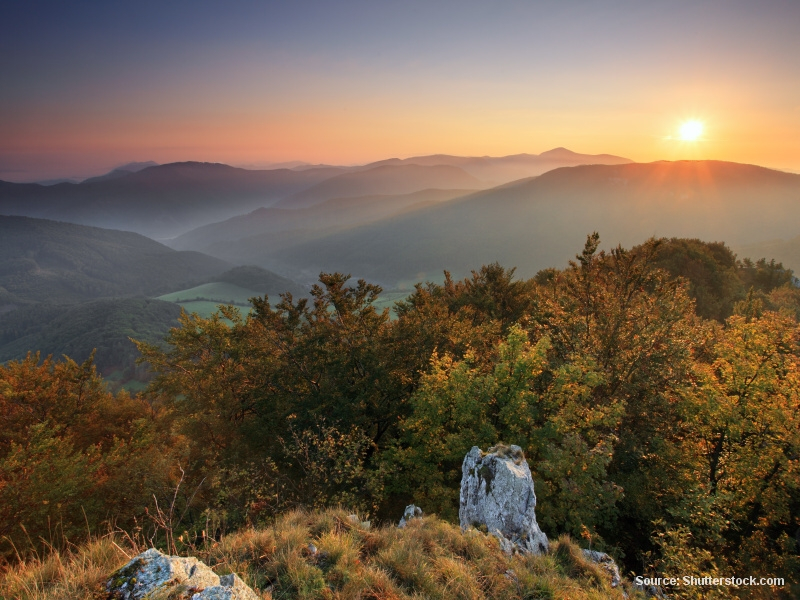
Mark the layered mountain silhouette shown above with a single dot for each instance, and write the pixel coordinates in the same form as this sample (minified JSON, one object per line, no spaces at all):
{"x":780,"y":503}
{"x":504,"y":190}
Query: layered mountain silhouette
{"x":541,"y":222}
{"x":122,"y":171}
{"x":279,"y":227}
{"x":161,"y":201}
{"x":164,"y":201}
{"x":384,"y":179}
{"x":499,"y":170}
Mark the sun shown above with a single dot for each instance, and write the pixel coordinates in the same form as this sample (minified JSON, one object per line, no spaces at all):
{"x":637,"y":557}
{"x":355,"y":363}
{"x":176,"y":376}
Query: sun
{"x":691,"y":131}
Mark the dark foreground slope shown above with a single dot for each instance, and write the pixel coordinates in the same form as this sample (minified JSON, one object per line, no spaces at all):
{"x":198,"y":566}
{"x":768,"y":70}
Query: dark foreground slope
{"x":48,"y":261}
{"x":537,"y":223}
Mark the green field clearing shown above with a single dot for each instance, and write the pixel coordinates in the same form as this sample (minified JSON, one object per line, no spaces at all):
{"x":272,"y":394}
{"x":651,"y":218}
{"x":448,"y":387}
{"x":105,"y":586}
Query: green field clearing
{"x":205,"y":299}
{"x":218,"y":293}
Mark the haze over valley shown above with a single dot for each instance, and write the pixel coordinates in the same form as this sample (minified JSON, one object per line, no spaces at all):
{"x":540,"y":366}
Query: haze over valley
{"x":395,"y":223}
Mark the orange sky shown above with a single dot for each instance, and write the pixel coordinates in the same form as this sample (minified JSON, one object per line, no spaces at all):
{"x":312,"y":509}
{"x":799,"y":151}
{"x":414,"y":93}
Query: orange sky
{"x":368,"y":81}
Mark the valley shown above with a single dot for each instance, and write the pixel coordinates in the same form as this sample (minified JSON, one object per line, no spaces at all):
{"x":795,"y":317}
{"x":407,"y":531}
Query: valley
{"x":395,"y":222}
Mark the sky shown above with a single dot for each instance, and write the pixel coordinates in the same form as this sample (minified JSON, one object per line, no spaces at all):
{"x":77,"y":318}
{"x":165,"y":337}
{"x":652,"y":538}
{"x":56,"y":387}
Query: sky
{"x":87,"y":86}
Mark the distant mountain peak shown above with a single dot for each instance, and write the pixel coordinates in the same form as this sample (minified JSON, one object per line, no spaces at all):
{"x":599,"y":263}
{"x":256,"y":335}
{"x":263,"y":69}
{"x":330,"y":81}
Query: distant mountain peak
{"x":560,"y":151}
{"x":135,"y":167}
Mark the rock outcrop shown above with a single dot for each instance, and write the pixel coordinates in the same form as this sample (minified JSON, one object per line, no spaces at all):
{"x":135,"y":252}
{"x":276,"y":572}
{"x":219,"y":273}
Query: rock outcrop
{"x":497,"y":491}
{"x":412,"y":511}
{"x":152,"y":573}
{"x":607,"y":563}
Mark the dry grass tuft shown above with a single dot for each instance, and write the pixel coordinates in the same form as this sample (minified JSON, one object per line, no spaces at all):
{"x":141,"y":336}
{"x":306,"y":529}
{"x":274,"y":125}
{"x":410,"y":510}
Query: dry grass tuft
{"x":78,"y":573}
{"x":325,"y":555}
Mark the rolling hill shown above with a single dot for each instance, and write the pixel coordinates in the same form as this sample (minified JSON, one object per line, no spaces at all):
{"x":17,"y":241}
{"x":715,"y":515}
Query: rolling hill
{"x":77,"y":330}
{"x":281,"y":226}
{"x":541,"y":222}
{"x":234,"y":287}
{"x":61,"y":263}
{"x":384,"y":179}
{"x":60,"y":285}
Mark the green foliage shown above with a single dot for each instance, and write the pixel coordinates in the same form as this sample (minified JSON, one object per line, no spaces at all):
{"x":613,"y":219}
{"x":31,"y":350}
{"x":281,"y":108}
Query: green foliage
{"x":260,"y":280}
{"x":262,"y":384}
{"x":218,"y":292}
{"x":334,"y":469}
{"x":743,"y":445}
{"x":103,"y":326}
{"x":764,"y":275}
{"x":711,"y":269}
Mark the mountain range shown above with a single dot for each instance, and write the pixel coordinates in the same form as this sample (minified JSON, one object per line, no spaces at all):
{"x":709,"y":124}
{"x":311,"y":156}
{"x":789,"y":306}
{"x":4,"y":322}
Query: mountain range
{"x":540,"y":222}
{"x":70,"y":287}
{"x":164,"y":201}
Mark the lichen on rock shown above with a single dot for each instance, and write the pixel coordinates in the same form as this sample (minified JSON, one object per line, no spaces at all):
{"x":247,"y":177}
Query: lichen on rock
{"x":497,"y":491}
{"x":154,"y":574}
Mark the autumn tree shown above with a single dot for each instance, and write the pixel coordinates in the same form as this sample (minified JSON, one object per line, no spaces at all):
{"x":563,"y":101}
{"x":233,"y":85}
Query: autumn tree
{"x":72,"y":455}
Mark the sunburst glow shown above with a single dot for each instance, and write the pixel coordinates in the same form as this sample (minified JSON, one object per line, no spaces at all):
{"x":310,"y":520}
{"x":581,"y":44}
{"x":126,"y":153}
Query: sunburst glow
{"x":691,"y":131}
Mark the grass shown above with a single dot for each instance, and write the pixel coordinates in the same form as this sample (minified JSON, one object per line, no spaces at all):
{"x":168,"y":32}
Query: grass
{"x":205,"y":299}
{"x":325,"y":555}
{"x":77,"y":573}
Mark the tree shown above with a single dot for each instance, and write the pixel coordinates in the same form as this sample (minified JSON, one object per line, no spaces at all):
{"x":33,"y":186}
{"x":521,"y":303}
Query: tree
{"x":242,"y":389}
{"x":72,"y":455}
{"x":744,"y":445}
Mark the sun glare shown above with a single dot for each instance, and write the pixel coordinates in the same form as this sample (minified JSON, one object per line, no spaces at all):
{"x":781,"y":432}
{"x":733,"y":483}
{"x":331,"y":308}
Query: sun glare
{"x":691,"y":131}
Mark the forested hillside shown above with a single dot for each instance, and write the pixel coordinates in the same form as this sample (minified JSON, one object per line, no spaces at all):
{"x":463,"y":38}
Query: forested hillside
{"x":537,"y":223}
{"x":61,"y":263}
{"x":655,"y":392}
{"x":77,"y":331}
{"x":280,"y":227}
{"x":70,"y":289}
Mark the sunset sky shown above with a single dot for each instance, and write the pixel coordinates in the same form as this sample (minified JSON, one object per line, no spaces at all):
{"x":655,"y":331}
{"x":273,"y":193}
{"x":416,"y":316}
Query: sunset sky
{"x":87,"y":86}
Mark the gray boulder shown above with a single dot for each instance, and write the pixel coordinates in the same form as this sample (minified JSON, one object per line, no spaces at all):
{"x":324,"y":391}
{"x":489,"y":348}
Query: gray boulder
{"x":176,"y":577}
{"x":497,"y":491}
{"x":412,"y":511}
{"x":607,"y":563}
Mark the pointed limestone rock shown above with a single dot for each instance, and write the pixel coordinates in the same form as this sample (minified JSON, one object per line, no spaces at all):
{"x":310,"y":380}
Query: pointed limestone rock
{"x":497,"y":491}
